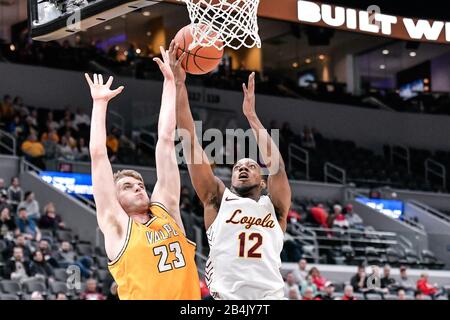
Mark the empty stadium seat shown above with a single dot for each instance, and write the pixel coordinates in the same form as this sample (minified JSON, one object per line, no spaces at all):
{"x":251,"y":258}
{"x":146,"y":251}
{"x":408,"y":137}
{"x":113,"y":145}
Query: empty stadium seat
{"x":30,"y":286}
{"x":60,"y":274}
{"x":64,"y":235}
{"x":58,"y":286}
{"x":84,"y":249}
{"x":10,"y":286}
{"x":9,"y":297}
{"x":102,"y":275}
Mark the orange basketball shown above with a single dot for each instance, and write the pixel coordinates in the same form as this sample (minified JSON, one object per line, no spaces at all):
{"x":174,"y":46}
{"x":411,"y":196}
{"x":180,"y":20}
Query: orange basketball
{"x":199,"y":60}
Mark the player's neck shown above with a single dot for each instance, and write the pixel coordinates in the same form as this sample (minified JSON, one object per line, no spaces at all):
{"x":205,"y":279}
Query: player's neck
{"x":141,"y":217}
{"x":252,"y":194}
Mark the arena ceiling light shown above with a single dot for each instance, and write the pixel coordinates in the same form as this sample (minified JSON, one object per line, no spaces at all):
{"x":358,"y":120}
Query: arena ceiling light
{"x":308,"y":60}
{"x":382,"y":66}
{"x":385,"y":52}
{"x":412,"y":54}
{"x":146,"y":13}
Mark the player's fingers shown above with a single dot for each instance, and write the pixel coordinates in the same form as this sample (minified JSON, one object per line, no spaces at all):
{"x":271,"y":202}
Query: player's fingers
{"x":244,"y":87}
{"x":163,"y":53}
{"x":88,"y":79}
{"x":171,"y":47}
{"x":118,"y":91}
{"x":174,"y":51}
{"x":100,"y":79}
{"x":181,"y":58}
{"x":95,"y":78}
{"x":158,"y":61}
{"x":110,"y":81}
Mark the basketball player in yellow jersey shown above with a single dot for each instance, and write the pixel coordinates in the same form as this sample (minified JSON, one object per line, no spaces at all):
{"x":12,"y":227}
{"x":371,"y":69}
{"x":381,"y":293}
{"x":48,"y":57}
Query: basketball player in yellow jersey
{"x":150,"y":256}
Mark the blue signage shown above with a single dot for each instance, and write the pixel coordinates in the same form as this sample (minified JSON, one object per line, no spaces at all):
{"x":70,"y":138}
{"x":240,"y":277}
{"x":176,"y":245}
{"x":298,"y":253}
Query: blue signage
{"x":71,"y":183}
{"x":391,"y":208}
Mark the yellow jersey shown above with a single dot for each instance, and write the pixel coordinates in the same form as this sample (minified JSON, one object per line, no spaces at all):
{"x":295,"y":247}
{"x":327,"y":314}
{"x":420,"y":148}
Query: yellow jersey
{"x":157,"y":261}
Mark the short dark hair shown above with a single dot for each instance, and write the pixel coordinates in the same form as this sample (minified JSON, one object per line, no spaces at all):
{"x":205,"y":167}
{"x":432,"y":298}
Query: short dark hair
{"x":28,"y":193}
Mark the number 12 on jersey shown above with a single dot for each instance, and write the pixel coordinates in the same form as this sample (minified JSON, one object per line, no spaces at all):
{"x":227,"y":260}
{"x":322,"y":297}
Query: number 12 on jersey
{"x":256,"y":239}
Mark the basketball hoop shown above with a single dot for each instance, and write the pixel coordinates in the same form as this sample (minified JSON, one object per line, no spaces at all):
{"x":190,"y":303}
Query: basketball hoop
{"x":224,"y":23}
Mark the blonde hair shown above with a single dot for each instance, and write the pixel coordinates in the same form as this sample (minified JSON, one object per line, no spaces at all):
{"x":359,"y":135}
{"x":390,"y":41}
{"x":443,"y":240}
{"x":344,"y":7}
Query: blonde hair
{"x":127,"y":173}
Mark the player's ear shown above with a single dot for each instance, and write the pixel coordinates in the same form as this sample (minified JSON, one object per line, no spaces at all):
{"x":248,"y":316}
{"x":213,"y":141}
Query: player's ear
{"x":263,"y":184}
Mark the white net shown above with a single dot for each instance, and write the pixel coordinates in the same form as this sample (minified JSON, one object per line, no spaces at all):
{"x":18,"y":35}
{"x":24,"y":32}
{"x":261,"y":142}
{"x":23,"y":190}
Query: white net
{"x":221,"y":23}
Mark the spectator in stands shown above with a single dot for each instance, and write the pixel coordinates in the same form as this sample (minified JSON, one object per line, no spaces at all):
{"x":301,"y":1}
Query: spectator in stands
{"x":91,"y":292}
{"x":354,"y":220}
{"x":21,"y":242}
{"x":17,"y":268}
{"x":82,"y":152}
{"x":50,"y":220}
{"x":50,"y":122}
{"x":81,"y":118}
{"x":34,"y":150}
{"x":418,"y":295}
{"x":293,"y":215}
{"x":427,"y":288}
{"x":308,"y":293}
{"x":36,"y":295}
{"x":301,"y":273}
{"x":65,"y":256}
{"x":18,"y":104}
{"x":65,"y":150}
{"x":3,"y":189}
{"x":308,"y":283}
{"x":358,"y":281}
{"x":4,"y":201}
{"x":404,"y":282}
{"x":293,"y":294}
{"x":401,"y":295}
{"x":50,"y":135}
{"x":387,"y":282}
{"x":31,"y":205}
{"x":373,"y":285}
{"x":348,"y":293}
{"x":317,"y":278}
{"x":339,"y":219}
{"x":69,"y":130}
{"x":112,"y":294}
{"x":39,"y":267}
{"x":44,"y":247}
{"x":320,"y":215}
{"x":8,"y":227}
{"x":17,"y":128}
{"x":61,"y":296}
{"x":112,"y":143}
{"x":307,"y":139}
{"x":290,"y":284}
{"x":6,"y":109}
{"x":27,"y":226}
{"x":329,"y":291}
{"x":32,"y":120}
{"x":15,"y":193}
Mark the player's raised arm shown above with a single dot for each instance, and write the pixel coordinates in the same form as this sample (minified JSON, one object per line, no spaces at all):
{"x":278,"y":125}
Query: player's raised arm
{"x":208,"y":187}
{"x":167,"y":188}
{"x":278,"y":183}
{"x":111,"y":218}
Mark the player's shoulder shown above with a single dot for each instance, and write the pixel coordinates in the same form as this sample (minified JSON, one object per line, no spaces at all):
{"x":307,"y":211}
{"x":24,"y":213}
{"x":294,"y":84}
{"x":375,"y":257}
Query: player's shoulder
{"x":159,"y":210}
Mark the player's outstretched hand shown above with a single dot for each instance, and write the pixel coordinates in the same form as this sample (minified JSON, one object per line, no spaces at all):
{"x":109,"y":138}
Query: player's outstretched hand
{"x":164,"y":65}
{"x":102,"y":92}
{"x":175,"y":64}
{"x":249,"y":96}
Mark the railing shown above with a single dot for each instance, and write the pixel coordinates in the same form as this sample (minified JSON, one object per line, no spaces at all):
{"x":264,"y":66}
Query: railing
{"x":151,"y":144}
{"x":305,"y":237}
{"x":328,"y":173}
{"x":117,"y":120}
{"x":351,"y":236}
{"x":10,"y":138}
{"x":402,"y":153}
{"x":301,"y":155}
{"x":430,"y":210}
{"x":436,"y":168}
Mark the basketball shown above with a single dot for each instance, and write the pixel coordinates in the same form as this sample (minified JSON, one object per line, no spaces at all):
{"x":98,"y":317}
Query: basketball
{"x":199,"y":60}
